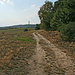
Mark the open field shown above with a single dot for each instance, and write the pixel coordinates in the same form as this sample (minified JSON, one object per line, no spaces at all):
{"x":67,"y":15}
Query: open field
{"x":30,"y":53}
{"x":16,"y":47}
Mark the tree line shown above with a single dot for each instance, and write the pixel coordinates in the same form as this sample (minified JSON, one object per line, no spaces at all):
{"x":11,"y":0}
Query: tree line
{"x":60,"y":16}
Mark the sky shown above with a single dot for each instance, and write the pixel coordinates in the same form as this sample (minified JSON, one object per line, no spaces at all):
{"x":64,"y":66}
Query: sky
{"x":14,"y":12}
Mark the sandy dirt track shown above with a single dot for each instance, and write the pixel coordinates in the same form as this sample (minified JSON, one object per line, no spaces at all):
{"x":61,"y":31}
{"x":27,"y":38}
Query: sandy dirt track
{"x":38,"y":62}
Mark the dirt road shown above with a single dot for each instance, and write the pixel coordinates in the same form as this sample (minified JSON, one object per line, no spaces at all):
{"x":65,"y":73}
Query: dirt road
{"x":38,"y":62}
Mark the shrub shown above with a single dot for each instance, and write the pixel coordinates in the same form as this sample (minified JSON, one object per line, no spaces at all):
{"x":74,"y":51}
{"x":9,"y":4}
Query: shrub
{"x":25,"y":29}
{"x":37,"y":27}
{"x":67,"y":32}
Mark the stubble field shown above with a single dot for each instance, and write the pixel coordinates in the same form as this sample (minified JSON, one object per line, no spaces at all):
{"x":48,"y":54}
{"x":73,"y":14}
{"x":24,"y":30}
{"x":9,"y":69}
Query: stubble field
{"x":16,"y":47}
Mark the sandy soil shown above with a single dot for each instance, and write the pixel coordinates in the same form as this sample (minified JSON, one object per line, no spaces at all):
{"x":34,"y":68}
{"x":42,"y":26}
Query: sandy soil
{"x":38,"y":62}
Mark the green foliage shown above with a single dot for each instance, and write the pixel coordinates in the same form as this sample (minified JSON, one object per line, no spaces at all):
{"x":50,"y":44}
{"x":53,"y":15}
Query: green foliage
{"x":47,"y":20}
{"x":57,"y":19}
{"x":64,"y":13}
{"x":24,"y":39}
{"x":67,"y":32}
{"x":42,"y":25}
{"x":61,"y":17}
{"x":45,"y":15}
{"x":37,"y":27}
{"x":25,"y":29}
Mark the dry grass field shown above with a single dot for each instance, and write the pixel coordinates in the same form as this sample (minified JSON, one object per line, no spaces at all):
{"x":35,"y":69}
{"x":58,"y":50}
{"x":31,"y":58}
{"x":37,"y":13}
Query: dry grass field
{"x":53,"y":67}
{"x":53,"y":37}
{"x":19,"y":48}
{"x":16,"y":47}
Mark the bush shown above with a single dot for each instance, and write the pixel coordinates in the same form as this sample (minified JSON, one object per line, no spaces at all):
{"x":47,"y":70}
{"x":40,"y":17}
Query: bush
{"x":67,"y":32}
{"x":37,"y":27}
{"x":25,"y":29}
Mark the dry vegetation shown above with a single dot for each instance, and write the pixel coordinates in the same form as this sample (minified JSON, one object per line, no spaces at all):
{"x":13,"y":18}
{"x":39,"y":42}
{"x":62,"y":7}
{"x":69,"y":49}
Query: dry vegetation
{"x":16,"y":47}
{"x":69,"y":47}
{"x":51,"y":67}
{"x":53,"y":36}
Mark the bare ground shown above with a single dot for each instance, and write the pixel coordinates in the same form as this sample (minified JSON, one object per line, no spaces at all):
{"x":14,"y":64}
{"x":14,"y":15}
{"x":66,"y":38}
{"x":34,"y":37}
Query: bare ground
{"x":38,"y":62}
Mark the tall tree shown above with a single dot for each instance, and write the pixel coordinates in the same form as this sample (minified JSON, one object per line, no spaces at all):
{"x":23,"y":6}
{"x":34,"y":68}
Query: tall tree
{"x":64,"y":12}
{"x":45,"y":14}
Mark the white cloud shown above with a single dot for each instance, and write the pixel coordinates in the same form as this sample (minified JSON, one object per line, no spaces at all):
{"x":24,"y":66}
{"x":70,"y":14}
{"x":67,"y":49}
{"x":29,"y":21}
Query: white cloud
{"x":10,"y":2}
{"x":34,"y":6}
{"x":25,"y":10}
{"x":6,"y":1}
{"x":31,"y":16}
{"x":2,"y":2}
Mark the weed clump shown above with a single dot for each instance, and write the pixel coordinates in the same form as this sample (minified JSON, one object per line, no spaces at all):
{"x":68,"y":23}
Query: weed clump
{"x":25,"y":29}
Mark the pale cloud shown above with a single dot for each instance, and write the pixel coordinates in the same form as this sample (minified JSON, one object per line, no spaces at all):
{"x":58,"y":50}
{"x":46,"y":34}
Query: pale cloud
{"x":25,"y":10}
{"x":33,"y":5}
{"x":10,"y":2}
{"x":6,"y":1}
{"x":2,"y":2}
{"x":31,"y":16}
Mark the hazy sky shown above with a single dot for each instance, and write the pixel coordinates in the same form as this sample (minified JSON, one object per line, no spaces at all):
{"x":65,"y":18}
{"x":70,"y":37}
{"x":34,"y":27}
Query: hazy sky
{"x":20,"y":11}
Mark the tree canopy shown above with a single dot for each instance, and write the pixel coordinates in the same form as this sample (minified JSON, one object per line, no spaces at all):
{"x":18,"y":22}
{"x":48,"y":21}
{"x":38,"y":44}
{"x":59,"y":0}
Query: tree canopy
{"x":52,"y":17}
{"x":45,"y":14}
{"x":57,"y":16}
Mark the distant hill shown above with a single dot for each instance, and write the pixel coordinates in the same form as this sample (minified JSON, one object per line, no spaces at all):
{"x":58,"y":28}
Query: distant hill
{"x":20,"y":26}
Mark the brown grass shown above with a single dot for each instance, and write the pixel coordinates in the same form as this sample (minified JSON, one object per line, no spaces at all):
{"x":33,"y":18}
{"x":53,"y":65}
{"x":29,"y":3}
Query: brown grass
{"x":53,"y":36}
{"x":51,"y":67}
{"x":69,"y":48}
{"x":14,"y":54}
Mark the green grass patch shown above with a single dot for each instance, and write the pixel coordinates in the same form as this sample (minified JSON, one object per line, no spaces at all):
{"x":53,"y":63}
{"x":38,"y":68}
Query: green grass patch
{"x":23,"y":38}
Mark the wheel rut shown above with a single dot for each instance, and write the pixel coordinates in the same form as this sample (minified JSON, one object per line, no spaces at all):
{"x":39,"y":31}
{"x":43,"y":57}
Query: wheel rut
{"x":38,"y":62}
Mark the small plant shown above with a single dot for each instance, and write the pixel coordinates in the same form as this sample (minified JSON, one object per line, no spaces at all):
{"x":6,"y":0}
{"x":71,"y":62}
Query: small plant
{"x":37,"y":27}
{"x":10,"y":65}
{"x":39,"y":42}
{"x":25,"y":29}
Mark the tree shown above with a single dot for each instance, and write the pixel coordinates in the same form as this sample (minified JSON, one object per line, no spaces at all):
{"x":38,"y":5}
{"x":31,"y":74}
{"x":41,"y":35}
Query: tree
{"x":64,"y":12}
{"x":67,"y":32}
{"x":37,"y":27}
{"x":45,"y":15}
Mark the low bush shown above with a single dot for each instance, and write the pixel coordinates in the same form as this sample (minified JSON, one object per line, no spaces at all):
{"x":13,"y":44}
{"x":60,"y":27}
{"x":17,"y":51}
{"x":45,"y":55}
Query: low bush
{"x":37,"y":27}
{"x":67,"y":32}
{"x":25,"y":29}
